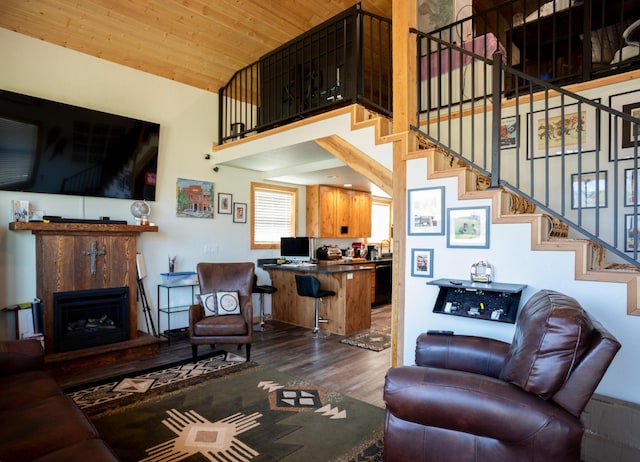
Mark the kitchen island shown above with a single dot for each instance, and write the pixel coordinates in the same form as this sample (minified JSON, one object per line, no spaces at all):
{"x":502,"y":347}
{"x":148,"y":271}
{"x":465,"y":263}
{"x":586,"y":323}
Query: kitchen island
{"x":347,"y":312}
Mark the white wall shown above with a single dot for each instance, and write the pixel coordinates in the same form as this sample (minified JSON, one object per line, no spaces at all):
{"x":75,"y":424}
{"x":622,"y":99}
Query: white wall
{"x":514,"y":262}
{"x":187,"y":117}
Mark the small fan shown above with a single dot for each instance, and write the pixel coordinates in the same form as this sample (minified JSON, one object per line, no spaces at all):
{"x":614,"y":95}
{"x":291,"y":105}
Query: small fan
{"x":141,"y":211}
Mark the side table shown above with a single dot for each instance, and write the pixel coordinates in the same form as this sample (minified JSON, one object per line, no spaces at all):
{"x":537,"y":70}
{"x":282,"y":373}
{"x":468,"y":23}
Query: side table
{"x":168,"y":309}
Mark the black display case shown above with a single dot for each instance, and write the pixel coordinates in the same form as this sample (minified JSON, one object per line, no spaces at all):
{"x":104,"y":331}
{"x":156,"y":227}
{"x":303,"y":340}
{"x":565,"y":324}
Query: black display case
{"x":491,"y":301}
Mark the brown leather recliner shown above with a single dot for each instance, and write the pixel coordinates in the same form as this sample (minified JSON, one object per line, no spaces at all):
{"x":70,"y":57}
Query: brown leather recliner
{"x":208,"y":326}
{"x":478,"y":399}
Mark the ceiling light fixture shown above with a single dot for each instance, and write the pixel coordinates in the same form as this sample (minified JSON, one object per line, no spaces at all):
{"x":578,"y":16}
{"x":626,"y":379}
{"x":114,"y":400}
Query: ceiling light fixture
{"x":347,"y":185}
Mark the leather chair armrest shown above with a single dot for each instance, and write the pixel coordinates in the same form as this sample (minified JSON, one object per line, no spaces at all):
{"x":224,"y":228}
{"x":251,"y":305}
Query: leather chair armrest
{"x":474,"y":404}
{"x":20,"y":356}
{"x":246,"y":308}
{"x":462,"y":352}
{"x":196,"y":313}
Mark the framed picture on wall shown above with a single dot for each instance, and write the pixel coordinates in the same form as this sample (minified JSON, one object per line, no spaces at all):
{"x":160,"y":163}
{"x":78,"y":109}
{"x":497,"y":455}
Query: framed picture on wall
{"x":422,"y":263}
{"x":191,"y":199}
{"x":589,"y":189}
{"x":509,"y":132}
{"x":622,"y":131}
{"x":224,"y":203}
{"x":631,"y":184}
{"x":631,"y":234}
{"x":426,"y":211}
{"x":468,"y":227}
{"x":239,"y":212}
{"x":569,"y":130}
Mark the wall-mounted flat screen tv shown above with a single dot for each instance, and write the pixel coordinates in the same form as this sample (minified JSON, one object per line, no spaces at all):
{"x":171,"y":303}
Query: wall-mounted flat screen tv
{"x":56,"y":148}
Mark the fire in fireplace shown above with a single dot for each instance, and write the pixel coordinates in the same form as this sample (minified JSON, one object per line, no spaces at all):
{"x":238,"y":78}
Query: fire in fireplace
{"x":89,"y":318}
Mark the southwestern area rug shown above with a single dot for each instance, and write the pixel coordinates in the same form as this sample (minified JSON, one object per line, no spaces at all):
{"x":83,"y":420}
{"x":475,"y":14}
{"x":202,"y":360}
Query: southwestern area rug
{"x":375,"y":340}
{"x":224,"y":409}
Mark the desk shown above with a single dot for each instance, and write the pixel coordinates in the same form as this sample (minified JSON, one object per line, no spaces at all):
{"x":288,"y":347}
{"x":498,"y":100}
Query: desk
{"x":348,"y":311}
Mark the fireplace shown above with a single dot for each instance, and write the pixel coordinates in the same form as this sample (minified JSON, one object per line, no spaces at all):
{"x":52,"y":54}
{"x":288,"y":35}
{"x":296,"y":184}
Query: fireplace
{"x":90,"y":318}
{"x":88,"y":256}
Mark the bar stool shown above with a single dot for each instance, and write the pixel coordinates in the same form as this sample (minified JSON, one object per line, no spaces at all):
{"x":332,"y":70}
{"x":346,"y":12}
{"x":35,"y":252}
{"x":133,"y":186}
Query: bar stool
{"x":261,"y":289}
{"x":309,"y":286}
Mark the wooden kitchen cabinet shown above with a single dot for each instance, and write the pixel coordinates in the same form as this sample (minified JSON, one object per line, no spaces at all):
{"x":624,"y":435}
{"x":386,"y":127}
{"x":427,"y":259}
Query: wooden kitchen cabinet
{"x":338,"y":212}
{"x":321,"y":211}
{"x":361,"y":217}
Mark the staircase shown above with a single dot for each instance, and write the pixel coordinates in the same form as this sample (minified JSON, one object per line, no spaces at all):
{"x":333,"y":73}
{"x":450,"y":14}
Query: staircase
{"x":567,"y":171}
{"x":548,"y":232}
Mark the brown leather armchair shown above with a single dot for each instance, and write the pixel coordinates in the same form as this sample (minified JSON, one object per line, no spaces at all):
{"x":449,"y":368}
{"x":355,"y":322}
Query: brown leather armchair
{"x":207,"y":328}
{"x":478,"y":399}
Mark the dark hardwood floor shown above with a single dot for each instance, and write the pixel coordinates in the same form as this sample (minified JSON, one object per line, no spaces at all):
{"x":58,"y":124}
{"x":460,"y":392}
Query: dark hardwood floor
{"x":353,"y":371}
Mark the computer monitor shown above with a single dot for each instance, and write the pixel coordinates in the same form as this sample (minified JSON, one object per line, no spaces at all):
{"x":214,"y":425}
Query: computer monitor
{"x":296,"y":248}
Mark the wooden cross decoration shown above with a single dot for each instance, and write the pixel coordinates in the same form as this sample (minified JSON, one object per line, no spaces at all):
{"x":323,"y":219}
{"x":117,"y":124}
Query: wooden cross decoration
{"x":93,"y":253}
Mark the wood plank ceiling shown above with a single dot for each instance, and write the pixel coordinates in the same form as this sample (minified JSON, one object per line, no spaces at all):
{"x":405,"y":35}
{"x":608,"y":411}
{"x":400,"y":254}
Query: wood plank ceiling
{"x":201,"y":43}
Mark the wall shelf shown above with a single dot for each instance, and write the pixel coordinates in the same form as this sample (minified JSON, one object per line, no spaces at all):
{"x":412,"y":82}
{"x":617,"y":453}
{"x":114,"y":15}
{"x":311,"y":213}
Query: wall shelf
{"x":478,"y":300}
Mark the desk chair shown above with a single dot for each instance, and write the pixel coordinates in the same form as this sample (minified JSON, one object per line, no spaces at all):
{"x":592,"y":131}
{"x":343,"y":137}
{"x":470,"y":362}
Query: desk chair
{"x":309,"y":286}
{"x":261,"y":289}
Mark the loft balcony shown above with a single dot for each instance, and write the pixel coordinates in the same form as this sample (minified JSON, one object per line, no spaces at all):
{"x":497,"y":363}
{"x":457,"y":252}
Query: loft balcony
{"x":345,"y":60}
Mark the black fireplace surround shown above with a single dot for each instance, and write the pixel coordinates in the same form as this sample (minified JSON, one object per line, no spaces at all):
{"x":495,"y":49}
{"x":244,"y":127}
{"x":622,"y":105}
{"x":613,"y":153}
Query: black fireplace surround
{"x":90,"y":318}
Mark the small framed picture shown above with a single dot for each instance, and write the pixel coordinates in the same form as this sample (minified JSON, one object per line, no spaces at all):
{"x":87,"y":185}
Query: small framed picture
{"x":468,"y":227}
{"x":588,"y":190}
{"x":631,"y":234}
{"x":426,"y":211}
{"x":239,"y":212}
{"x":622,"y":132}
{"x":509,"y":132}
{"x":631,"y":184}
{"x":422,"y":263}
{"x":224,"y":203}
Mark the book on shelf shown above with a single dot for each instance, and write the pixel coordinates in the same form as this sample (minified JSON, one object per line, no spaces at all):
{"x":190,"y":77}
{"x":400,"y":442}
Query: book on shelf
{"x":20,"y":210}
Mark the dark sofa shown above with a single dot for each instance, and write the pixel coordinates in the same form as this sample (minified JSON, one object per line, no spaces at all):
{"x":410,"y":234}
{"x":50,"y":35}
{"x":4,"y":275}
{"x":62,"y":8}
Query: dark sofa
{"x":38,"y":422}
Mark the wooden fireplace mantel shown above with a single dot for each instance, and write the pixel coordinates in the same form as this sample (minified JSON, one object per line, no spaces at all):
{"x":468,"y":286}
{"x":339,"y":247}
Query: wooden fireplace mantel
{"x":60,"y":228}
{"x":80,"y":256}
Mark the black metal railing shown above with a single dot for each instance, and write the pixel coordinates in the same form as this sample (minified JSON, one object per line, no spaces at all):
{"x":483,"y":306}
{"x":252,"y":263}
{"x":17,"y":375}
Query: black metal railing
{"x":345,"y":60}
{"x":574,"y":156}
{"x":561,"y":41}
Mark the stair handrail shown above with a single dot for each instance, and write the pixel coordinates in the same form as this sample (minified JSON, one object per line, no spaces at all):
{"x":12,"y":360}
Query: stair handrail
{"x":538,"y":92}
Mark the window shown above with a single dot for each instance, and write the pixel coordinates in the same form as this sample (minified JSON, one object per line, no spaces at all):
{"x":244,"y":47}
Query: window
{"x":273,"y":214}
{"x":380,"y":220}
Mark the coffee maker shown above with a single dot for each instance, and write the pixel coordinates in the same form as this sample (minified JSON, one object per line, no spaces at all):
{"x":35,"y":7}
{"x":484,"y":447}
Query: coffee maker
{"x":372,"y":252}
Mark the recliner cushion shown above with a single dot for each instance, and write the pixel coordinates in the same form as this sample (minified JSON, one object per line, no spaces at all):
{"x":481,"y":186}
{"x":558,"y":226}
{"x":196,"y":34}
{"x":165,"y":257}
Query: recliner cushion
{"x":552,"y":334}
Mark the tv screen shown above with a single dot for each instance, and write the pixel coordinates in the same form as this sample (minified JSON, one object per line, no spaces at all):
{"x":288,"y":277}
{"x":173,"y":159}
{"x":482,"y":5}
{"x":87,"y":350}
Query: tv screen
{"x":57,"y":148}
{"x":295,"y":248}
